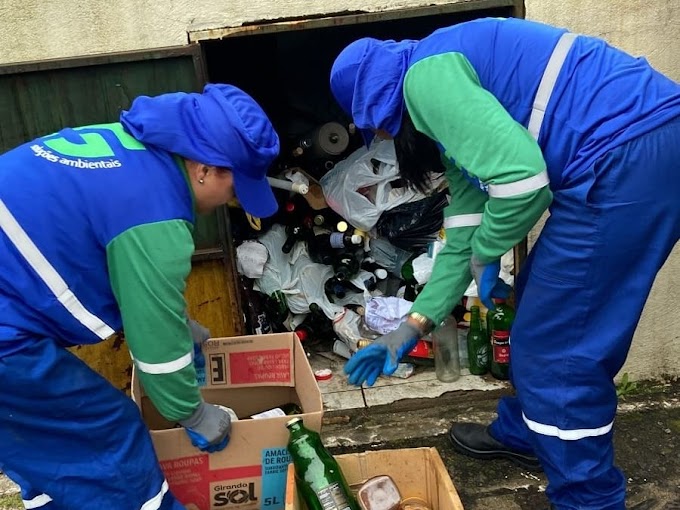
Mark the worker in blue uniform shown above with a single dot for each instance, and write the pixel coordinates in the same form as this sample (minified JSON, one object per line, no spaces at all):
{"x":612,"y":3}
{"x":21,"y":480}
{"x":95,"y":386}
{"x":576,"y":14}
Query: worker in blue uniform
{"x":96,"y":236}
{"x":522,"y":116}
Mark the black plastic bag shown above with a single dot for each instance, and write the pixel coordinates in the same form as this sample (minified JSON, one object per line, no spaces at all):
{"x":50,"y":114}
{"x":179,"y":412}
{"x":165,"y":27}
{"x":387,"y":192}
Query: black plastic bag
{"x":412,"y":226}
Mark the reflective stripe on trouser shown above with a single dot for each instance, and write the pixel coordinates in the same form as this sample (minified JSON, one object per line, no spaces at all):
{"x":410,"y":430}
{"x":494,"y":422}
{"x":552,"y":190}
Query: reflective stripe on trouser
{"x":66,"y":432}
{"x":581,"y":294}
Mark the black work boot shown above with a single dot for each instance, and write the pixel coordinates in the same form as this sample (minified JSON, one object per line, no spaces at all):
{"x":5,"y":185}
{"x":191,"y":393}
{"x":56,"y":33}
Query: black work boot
{"x":474,"y":440}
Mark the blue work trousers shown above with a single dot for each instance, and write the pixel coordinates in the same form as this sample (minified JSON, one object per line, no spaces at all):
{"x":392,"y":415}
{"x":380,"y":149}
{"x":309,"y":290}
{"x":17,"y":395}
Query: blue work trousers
{"x":580,"y":297}
{"x":71,"y":440}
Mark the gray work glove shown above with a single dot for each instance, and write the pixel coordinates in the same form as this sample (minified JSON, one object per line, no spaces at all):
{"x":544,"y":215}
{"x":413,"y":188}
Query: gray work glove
{"x":382,"y":356}
{"x":208,"y":427}
{"x":489,"y":284}
{"x":199,"y":334}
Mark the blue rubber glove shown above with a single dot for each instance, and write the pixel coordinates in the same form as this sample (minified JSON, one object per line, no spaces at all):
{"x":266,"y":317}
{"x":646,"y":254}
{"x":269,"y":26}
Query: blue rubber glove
{"x":489,"y":284}
{"x":382,"y":356}
{"x":208,"y":427}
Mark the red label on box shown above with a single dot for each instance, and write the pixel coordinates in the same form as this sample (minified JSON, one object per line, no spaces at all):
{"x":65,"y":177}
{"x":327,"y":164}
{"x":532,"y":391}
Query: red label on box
{"x":252,"y":367}
{"x":190,"y":480}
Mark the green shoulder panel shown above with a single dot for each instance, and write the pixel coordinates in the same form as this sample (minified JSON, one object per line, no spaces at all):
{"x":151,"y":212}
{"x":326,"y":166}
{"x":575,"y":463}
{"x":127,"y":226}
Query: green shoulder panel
{"x":447,"y":103}
{"x":148,"y":267}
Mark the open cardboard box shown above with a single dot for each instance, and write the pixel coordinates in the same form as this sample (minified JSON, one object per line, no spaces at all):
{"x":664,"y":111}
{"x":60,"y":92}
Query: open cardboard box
{"x":419,"y":473}
{"x":250,"y":374}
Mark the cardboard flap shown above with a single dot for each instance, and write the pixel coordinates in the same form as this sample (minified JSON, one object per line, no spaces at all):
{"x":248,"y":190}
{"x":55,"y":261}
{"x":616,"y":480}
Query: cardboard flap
{"x":247,"y":361}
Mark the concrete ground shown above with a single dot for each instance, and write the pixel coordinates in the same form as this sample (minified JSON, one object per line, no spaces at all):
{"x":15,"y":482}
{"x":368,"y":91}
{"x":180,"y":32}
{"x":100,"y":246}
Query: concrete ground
{"x":413,"y":412}
{"x":647,"y":439}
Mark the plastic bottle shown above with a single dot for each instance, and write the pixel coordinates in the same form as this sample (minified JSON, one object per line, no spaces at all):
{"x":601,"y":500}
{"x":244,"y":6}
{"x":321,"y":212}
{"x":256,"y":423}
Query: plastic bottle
{"x":319,"y":478}
{"x":500,"y":322}
{"x":477,"y":344}
{"x":445,"y":345}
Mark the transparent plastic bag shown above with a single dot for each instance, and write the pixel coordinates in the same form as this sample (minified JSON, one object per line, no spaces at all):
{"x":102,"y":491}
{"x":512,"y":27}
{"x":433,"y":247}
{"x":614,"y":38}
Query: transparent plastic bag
{"x":360,"y":188}
{"x":347,"y":325}
{"x":277,"y":274}
{"x":309,"y":280}
{"x":388,"y":256}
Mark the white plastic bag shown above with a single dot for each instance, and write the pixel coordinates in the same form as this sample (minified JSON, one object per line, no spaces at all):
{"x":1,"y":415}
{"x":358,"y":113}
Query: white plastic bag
{"x":359,"y":188}
{"x":251,"y":257}
{"x":384,"y":314}
{"x":277,"y":274}
{"x":310,"y":278}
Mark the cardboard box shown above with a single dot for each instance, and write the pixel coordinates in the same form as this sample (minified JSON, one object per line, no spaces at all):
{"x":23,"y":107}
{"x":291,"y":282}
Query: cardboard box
{"x":419,"y":473}
{"x":250,"y":374}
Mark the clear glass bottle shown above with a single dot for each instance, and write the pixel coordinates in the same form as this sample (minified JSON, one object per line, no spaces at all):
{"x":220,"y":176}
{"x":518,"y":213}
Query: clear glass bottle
{"x":445,"y":345}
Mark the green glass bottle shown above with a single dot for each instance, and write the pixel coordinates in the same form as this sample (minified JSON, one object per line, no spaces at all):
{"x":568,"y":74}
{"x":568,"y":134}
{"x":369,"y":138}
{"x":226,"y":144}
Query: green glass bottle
{"x":413,"y":288}
{"x":278,"y":307}
{"x":319,"y":479}
{"x":500,"y":324}
{"x":477,"y":344}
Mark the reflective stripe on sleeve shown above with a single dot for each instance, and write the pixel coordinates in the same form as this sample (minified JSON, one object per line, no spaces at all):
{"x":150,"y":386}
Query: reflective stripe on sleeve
{"x":463,"y":220}
{"x":513,"y":189}
{"x":168,"y":367}
{"x":37,"y":501}
{"x":49,"y":275}
{"x":566,"y":435}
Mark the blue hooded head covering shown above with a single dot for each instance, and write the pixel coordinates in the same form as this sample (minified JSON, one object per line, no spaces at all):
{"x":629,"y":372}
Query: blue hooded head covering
{"x":221,"y":127}
{"x":367,"y":80}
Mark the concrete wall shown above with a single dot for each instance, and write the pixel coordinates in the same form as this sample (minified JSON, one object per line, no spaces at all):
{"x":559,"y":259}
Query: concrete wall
{"x":45,"y":29}
{"x":650,"y":29}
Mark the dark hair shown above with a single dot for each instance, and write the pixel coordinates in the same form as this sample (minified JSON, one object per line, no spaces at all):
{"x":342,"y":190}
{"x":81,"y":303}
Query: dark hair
{"x":417,"y":155}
